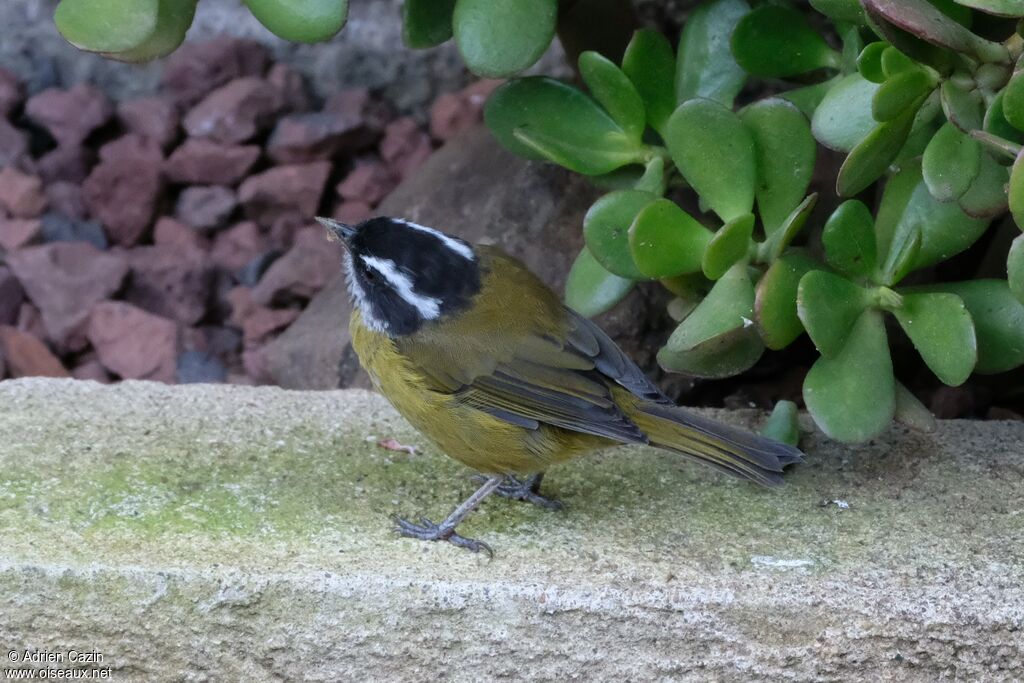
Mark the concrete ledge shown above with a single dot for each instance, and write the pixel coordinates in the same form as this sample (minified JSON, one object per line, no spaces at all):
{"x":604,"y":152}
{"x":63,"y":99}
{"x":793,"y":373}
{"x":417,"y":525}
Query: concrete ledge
{"x":226,"y":533}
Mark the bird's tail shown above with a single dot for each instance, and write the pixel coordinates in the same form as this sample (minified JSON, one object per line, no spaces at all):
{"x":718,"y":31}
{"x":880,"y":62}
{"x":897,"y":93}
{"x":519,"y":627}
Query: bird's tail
{"x":733,"y":450}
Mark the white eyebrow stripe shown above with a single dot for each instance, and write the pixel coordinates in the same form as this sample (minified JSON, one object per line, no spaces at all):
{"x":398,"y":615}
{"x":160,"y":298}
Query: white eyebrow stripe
{"x":460,"y":248}
{"x":429,"y":307}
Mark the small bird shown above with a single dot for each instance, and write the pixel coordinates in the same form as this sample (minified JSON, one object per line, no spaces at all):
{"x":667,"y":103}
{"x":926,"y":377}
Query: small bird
{"x":486,"y":362}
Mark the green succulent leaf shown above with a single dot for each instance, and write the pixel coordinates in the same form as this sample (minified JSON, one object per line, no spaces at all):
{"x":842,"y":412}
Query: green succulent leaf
{"x":900,"y":93}
{"x":1001,"y":8}
{"x":808,"y":98}
{"x":783,"y":424}
{"x":828,"y":306}
{"x":908,"y":205}
{"x":849,"y":240}
{"x":869,"y":62}
{"x":844,"y":117}
{"x":653,"y":180}
{"x":778,"y":240}
{"x":615,"y":92}
{"x":590,"y":289}
{"x":987,"y":196}
{"x":942,"y":332}
{"x":785,"y":152}
{"x":894,"y":62}
{"x":173,"y":21}
{"x":109,"y":26}
{"x":301,"y":21}
{"x":995,"y":121}
{"x":651,"y":66}
{"x":715,"y":152}
{"x":666,"y":241}
{"x":1013,"y":101}
{"x":541,"y":118}
{"x":728,"y":246}
{"x":849,"y":11}
{"x":871,"y":158}
{"x":852,"y":396}
{"x":775,"y":310}
{"x":964,"y":107}
{"x":927,"y":22}
{"x":938,"y":58}
{"x":1016,"y":191}
{"x":499,"y":38}
{"x":718,"y":339}
{"x":951,"y":162}
{"x":775,"y":41}
{"x":606,"y":230}
{"x":1015,"y":268}
{"x":998,"y":322}
{"x":911,"y":412}
{"x":705,"y":66}
{"x":427,"y":23}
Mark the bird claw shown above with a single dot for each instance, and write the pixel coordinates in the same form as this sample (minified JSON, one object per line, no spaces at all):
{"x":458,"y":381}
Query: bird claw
{"x":428,"y":531}
{"x":515,"y":489}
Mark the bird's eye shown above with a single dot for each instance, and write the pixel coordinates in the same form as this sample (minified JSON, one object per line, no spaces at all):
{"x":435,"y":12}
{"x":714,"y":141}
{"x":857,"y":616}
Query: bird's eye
{"x":370,"y":275}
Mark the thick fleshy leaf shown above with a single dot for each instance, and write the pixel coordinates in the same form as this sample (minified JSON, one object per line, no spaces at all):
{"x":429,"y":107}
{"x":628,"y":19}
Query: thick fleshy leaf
{"x":899,"y":93}
{"x":995,"y":121}
{"x":939,"y":58}
{"x":728,"y":246}
{"x":841,"y":10}
{"x":718,"y":339}
{"x":895,"y":62}
{"x":499,"y":38}
{"x":783,"y":424}
{"x":951,"y":163}
{"x":870,"y":159}
{"x":615,"y":92}
{"x":426,"y":23}
{"x":844,"y":117}
{"x":666,"y":241}
{"x":775,"y":41}
{"x":942,"y":332}
{"x":998,"y":322}
{"x":541,"y":118}
{"x":173,"y":21}
{"x":775,"y":304}
{"x":301,"y":21}
{"x":705,"y":66}
{"x":778,"y":240}
{"x":785,"y":152}
{"x":106,"y":25}
{"x":828,"y":306}
{"x":606,"y":230}
{"x":987,"y":197}
{"x":653,"y":180}
{"x":911,"y":412}
{"x":1001,"y":8}
{"x":907,"y":204}
{"x":849,"y":240}
{"x":869,"y":62}
{"x":715,"y":152}
{"x":1013,"y":101}
{"x":924,"y":20}
{"x":852,"y":396}
{"x":1015,"y":268}
{"x":964,"y":107}
{"x":808,"y":98}
{"x":651,"y":66}
{"x":590,"y":289}
{"x":1016,"y":191}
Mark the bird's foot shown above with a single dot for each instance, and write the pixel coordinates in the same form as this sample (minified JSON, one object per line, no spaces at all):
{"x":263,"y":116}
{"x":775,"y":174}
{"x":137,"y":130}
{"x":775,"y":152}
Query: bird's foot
{"x":428,"y":531}
{"x":526,"y":490}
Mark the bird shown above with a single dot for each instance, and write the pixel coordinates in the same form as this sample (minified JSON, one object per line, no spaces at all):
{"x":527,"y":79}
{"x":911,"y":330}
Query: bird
{"x":486,"y":362}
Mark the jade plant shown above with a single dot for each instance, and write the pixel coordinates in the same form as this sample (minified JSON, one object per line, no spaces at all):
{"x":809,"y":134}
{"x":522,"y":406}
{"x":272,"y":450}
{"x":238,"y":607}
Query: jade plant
{"x":706,"y":149}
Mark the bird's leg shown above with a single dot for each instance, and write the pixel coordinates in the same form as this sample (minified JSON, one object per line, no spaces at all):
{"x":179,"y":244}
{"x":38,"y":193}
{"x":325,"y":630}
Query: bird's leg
{"x":526,"y":490}
{"x":445,"y":531}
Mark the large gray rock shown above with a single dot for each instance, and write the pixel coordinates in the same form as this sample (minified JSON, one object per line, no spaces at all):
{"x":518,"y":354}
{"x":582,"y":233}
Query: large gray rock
{"x":476,"y":189}
{"x":227,"y":533}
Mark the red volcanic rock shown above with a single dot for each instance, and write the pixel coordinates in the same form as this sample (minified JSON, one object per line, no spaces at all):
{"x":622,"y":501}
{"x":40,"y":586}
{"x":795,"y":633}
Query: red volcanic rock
{"x":170,"y":281}
{"x":352,"y":212}
{"x":91,"y":369}
{"x":67,"y":163}
{"x":356,"y":104}
{"x":405,"y":146}
{"x":13,"y":144}
{"x":26,"y":356}
{"x":283,"y":190}
{"x":17,"y":232}
{"x":235,"y":247}
{"x":122,"y":191}
{"x":368,"y":182}
{"x":70,"y":116}
{"x":64,"y":280}
{"x":31,"y":321}
{"x":205,"y":208}
{"x":199,"y":161}
{"x":132,"y":146}
{"x":235,"y":112}
{"x":261,"y":322}
{"x":21,"y":194}
{"x":171,"y":233}
{"x":66,"y":199}
{"x":300,"y":138}
{"x":132,"y":343}
{"x":453,"y":113}
{"x":11,"y":296}
{"x":11,"y":92}
{"x":302,"y":272}
{"x":195,"y":69}
{"x":154,"y":118}
{"x":291,"y":86}
{"x":242,"y":305}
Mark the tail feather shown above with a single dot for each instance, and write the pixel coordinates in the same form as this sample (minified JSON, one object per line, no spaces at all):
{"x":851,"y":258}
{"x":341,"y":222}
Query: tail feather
{"x":733,"y":450}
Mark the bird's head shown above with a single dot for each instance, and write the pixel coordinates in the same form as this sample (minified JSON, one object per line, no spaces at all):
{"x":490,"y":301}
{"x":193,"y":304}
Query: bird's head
{"x":402,"y":275}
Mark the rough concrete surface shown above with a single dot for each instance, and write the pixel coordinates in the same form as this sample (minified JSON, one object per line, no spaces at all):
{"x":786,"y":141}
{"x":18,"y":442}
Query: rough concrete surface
{"x":206,"y":533}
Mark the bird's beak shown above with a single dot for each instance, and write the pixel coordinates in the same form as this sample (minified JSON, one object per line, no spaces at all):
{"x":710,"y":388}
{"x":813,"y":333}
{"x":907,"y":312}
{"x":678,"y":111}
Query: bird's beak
{"x":337,"y":231}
